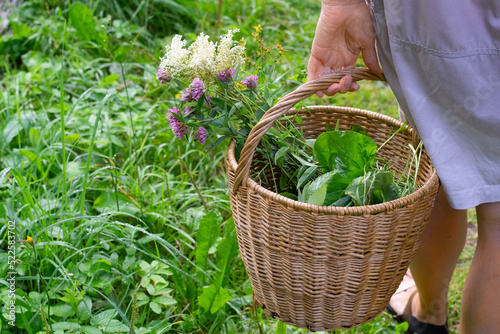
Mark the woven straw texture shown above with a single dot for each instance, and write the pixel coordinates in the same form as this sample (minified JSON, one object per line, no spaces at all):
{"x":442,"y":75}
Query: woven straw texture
{"x":324,"y":268}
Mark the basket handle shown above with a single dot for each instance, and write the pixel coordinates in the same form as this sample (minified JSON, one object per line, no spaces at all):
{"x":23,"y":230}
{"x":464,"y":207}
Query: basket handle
{"x":286,"y":103}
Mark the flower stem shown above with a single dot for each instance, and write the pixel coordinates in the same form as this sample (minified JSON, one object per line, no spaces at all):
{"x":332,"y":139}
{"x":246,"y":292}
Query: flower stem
{"x":194,"y":183}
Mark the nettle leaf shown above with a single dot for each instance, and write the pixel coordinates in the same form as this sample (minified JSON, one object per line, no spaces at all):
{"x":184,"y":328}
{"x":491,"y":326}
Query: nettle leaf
{"x":347,"y":151}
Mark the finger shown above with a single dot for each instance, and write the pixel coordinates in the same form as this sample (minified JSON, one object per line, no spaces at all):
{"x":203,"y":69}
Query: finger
{"x":354,"y":87}
{"x":319,"y":94}
{"x":345,"y":84}
{"x":342,"y":87}
{"x":333,"y":89}
{"x":370,"y":59}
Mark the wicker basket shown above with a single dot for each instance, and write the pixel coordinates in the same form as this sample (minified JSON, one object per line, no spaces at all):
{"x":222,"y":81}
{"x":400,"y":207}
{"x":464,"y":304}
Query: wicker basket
{"x":319,"y":267}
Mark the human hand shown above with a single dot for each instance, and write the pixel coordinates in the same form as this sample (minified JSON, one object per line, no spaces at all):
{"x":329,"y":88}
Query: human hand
{"x":344,"y":30}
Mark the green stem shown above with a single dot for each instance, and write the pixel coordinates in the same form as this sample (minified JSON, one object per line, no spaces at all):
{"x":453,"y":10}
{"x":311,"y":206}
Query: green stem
{"x":194,"y":183}
{"x":63,"y":130}
{"x":89,"y":157}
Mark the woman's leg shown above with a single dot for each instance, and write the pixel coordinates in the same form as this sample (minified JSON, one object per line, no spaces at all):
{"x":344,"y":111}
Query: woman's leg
{"x":481,"y":295}
{"x":435,"y":261}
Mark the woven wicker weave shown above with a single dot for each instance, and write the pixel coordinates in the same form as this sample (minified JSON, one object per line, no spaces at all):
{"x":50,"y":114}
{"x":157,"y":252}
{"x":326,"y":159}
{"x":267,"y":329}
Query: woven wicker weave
{"x":318,"y":267}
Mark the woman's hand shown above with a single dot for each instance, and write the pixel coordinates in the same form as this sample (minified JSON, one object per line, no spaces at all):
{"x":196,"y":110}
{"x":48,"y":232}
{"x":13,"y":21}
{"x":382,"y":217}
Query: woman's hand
{"x":344,"y":29}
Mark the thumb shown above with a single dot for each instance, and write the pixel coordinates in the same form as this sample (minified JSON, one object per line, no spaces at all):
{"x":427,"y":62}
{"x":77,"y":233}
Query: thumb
{"x":370,"y":59}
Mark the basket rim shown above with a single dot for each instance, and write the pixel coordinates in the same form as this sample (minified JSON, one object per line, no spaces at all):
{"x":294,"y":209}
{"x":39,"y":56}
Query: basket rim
{"x":340,"y":211}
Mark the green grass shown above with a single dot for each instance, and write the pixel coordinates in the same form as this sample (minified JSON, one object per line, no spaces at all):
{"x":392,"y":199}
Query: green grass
{"x":90,"y":170}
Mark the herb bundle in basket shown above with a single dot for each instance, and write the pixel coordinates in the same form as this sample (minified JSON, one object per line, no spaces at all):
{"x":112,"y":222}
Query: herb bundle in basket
{"x":339,"y":168}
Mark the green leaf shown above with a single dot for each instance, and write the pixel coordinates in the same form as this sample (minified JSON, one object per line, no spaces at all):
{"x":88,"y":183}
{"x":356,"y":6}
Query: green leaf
{"x":402,"y":328}
{"x":283,"y":181}
{"x":158,"y":279}
{"x":101,"y":264}
{"x":151,"y":289}
{"x":161,"y":289}
{"x":373,"y":188}
{"x":346,"y":151}
{"x":280,"y":153}
{"x":155,"y":307}
{"x":20,"y":30}
{"x":317,"y":197}
{"x":108,"y":80}
{"x":28,"y":154}
{"x":281,"y":328}
{"x":103,"y":318}
{"x":213,"y":299}
{"x":84,"y":310}
{"x":208,"y":232}
{"x":62,"y":310}
{"x":10,"y":129}
{"x":306,"y":176}
{"x":107,"y":201}
{"x":65,"y":325}
{"x":115,"y":326}
{"x":90,"y":330}
{"x":226,"y":251}
{"x":34,"y":136}
{"x":298,"y":119}
{"x":167,"y":301}
{"x":343,"y":201}
{"x":71,"y":139}
{"x":82,"y":19}
{"x":289,"y":195}
{"x":335,"y":181}
{"x":359,"y":129}
{"x":142,"y":298}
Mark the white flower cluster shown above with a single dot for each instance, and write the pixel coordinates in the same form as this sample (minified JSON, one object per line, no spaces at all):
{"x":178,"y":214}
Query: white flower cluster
{"x":203,"y":59}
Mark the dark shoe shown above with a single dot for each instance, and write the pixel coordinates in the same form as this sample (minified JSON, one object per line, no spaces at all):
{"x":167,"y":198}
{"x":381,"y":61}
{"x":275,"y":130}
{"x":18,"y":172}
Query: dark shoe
{"x":415,"y":326}
{"x":418,"y":327}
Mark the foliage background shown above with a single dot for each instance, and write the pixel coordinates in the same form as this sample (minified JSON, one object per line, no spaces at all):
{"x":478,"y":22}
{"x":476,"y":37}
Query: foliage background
{"x":124,"y":240}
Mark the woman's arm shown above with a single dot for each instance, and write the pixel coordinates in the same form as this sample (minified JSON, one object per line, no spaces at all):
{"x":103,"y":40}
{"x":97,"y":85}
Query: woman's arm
{"x":344,"y":29}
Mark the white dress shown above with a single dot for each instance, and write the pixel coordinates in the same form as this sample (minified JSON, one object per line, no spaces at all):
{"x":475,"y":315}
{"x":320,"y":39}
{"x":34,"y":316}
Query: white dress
{"x":442,"y":60}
